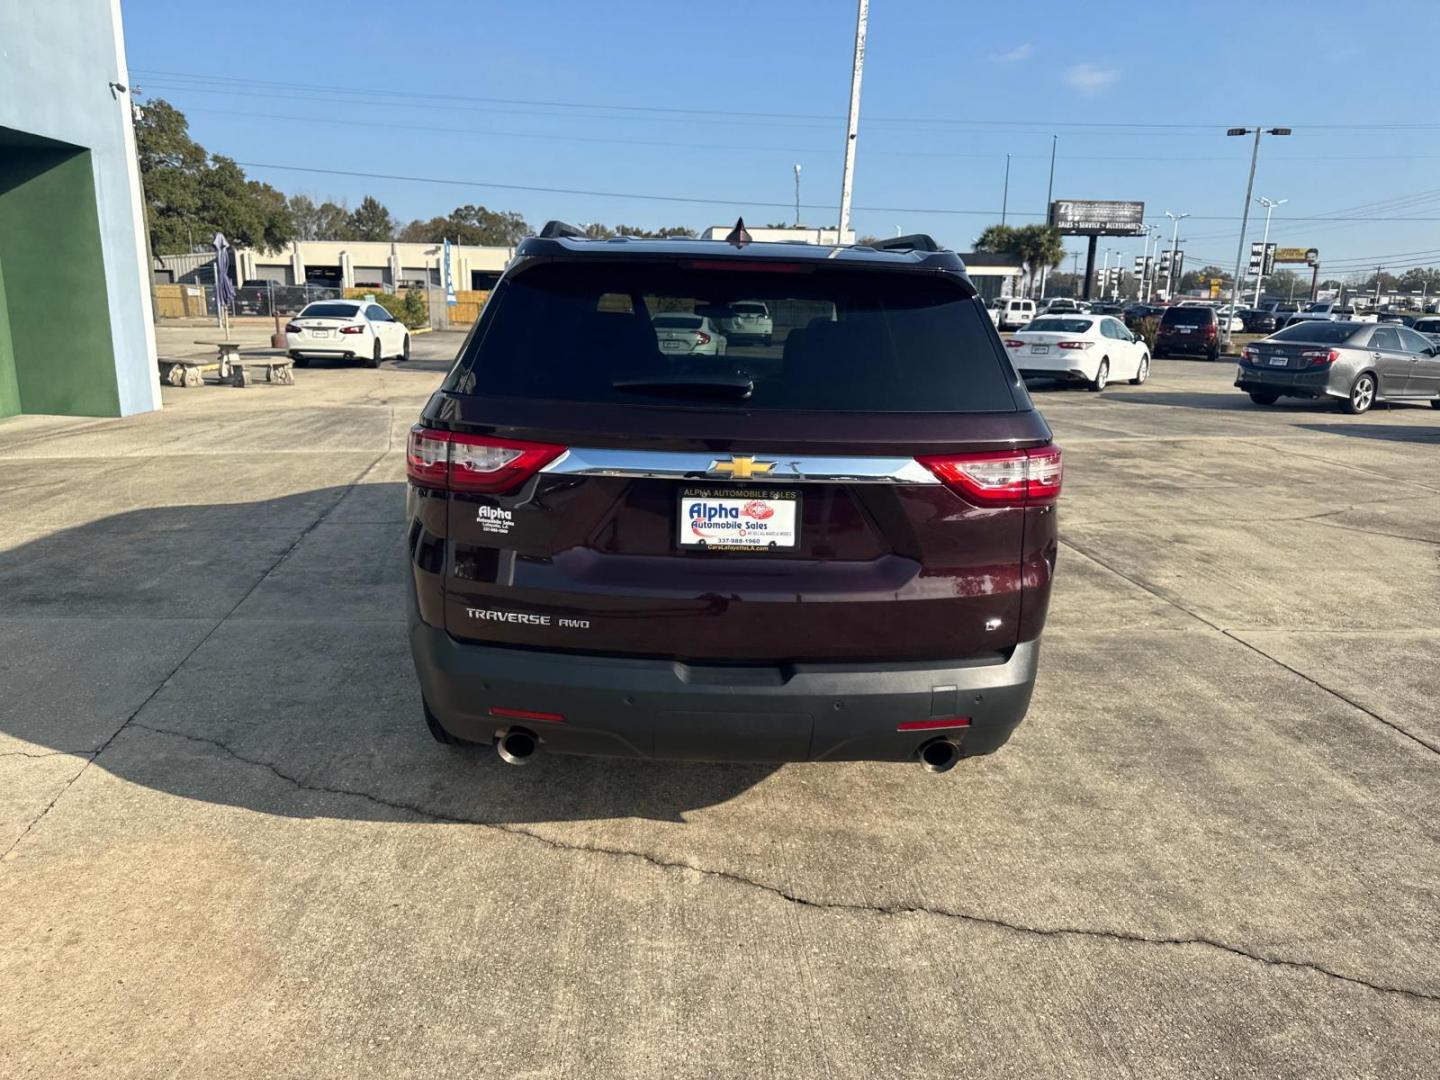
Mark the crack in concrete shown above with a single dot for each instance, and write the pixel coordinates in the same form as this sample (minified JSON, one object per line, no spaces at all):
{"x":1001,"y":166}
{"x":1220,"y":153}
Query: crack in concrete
{"x":186,"y":658}
{"x":1160,"y":594}
{"x":791,"y":897}
{"x":48,"y":753}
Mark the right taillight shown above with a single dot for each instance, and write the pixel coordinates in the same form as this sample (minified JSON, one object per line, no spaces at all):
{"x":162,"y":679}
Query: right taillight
{"x":1001,"y":477}
{"x":1320,"y":357}
{"x":456,"y":462}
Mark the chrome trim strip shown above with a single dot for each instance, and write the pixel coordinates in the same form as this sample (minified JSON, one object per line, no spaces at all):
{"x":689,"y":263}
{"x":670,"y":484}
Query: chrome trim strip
{"x":669,"y":465}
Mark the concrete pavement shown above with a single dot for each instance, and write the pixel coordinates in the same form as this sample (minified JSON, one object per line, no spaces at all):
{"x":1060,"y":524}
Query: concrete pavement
{"x":230,"y":849}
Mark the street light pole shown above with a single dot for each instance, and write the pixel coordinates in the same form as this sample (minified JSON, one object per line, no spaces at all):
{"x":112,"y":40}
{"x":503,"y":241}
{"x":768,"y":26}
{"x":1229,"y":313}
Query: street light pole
{"x":1005,"y":193}
{"x":1245,"y":215}
{"x":1269,"y":205}
{"x":1174,"y":248}
{"x":797,"y":197}
{"x":862,"y":18}
{"x":1049,"y":197}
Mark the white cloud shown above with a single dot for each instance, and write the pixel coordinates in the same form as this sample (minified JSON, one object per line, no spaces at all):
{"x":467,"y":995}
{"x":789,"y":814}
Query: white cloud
{"x":1090,"y":78}
{"x":1019,"y":52}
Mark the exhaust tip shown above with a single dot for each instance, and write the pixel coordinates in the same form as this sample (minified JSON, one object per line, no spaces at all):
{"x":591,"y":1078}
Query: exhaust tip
{"x":516,"y":746}
{"x":938,"y":755}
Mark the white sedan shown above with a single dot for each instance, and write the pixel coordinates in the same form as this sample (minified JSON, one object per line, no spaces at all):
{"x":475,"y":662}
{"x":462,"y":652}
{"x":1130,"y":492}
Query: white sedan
{"x":1089,"y":349}
{"x":688,"y":335}
{"x":347,"y":329}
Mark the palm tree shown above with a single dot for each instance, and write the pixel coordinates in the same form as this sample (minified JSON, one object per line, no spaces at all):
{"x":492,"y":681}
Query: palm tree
{"x":1039,"y":247}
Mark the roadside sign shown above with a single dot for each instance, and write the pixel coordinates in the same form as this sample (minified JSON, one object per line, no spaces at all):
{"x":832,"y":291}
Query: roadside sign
{"x":1089,"y":217}
{"x":1310,"y":256}
{"x":449,"y":277}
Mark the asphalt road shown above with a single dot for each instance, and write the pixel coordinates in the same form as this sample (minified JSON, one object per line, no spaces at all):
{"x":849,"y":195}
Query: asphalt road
{"x":230,"y":849}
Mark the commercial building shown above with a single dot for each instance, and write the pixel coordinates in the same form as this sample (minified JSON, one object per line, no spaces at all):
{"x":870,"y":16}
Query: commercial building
{"x":798,"y":233}
{"x":76,"y":334}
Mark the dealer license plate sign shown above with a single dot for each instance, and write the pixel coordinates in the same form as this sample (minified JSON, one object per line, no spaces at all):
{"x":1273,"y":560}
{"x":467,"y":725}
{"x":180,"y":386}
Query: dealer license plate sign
{"x":735,"y":519}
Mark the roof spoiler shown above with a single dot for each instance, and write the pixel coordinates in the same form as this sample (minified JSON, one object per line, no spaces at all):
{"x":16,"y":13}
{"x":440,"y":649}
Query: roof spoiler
{"x":555,"y":230}
{"x":914,"y":242}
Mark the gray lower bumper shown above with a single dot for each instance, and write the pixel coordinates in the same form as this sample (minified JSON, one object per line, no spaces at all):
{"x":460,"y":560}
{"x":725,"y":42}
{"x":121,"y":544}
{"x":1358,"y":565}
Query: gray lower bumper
{"x":628,"y":707}
{"x":1314,"y":383}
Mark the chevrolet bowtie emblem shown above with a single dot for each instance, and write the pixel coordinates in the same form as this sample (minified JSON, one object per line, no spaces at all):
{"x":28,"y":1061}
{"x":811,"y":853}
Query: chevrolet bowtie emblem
{"x":741,"y":467}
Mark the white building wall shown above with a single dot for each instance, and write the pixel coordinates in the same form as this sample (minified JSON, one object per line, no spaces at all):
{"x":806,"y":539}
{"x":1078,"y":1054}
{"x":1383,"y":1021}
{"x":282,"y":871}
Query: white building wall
{"x":57,"y":61}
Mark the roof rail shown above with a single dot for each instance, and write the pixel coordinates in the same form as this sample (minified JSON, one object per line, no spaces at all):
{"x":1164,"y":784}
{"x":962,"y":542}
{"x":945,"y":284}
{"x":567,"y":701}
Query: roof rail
{"x":556,"y":229}
{"x":913,"y":242}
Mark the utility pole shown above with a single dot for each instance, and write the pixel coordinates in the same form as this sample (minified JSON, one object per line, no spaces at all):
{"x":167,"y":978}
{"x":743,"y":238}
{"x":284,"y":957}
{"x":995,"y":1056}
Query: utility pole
{"x":1104,"y":273}
{"x":862,"y":17}
{"x":1005,"y":193}
{"x":1378,"y":271}
{"x":1049,"y":198}
{"x":1174,"y":250}
{"x":797,"y":198}
{"x":1269,"y":205}
{"x":1245,"y":215}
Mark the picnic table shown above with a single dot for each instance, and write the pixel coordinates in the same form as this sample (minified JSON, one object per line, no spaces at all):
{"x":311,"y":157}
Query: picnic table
{"x":233,"y":364}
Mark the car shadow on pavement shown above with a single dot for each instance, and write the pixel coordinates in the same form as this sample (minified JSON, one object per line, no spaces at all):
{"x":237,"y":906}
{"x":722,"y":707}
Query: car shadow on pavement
{"x":1236,"y":401}
{"x":254,"y":654}
{"x":1426,"y":433}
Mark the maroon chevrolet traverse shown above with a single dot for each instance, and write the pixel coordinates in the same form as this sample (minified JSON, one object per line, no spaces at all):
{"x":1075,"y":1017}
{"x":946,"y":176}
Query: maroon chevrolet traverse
{"x":631,"y":535}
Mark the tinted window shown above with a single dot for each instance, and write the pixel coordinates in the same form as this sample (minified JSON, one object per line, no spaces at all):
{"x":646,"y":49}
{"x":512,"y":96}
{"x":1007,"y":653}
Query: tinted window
{"x":1188,"y":316}
{"x":378,"y":313}
{"x":1327,"y":333}
{"x":1051,"y":325}
{"x":844,"y":340}
{"x":330,"y":311}
{"x":1385,"y":337}
{"x":1413,"y":342}
{"x":1428,"y":326}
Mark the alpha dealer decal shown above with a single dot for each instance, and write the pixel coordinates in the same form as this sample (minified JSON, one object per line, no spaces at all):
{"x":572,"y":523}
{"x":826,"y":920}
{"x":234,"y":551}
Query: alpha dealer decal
{"x":739,"y":520}
{"x":494,"y":520}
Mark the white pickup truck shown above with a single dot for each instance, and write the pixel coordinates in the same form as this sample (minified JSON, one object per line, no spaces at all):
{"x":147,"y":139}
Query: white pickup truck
{"x":1328,"y":312}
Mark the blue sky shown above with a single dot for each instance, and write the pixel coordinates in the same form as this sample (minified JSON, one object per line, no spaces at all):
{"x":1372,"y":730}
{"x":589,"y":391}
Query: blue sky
{"x":719,"y":101}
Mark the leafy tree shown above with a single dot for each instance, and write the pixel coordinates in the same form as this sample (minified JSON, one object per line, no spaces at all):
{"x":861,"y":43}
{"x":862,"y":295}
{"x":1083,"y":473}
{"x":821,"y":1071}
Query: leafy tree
{"x":332,"y":222}
{"x":190,"y":195}
{"x":470,"y":225}
{"x":596,"y":231}
{"x":371,"y":221}
{"x":1036,"y":246}
{"x":997,"y":239}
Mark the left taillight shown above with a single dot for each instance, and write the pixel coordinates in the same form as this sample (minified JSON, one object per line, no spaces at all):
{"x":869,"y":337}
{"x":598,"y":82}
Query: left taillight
{"x":293,"y":328}
{"x":359,"y":329}
{"x":451,"y":461}
{"x":1001,"y":477}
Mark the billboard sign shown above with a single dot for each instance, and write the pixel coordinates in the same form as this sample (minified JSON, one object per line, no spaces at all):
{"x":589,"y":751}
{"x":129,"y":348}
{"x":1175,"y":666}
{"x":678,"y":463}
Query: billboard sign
{"x":1089,"y":217}
{"x":1308,"y":256}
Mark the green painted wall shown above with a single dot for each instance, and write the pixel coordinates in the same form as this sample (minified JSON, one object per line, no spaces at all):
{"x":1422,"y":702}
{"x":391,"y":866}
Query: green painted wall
{"x":9,"y":388}
{"x":60,"y":353}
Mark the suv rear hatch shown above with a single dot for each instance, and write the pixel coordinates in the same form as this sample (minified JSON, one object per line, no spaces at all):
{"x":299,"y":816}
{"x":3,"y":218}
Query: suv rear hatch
{"x":856,"y":489}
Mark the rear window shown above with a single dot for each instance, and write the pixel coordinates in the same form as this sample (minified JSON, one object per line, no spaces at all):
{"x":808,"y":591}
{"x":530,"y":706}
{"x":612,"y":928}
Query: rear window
{"x":1187,"y":316}
{"x":843,"y":340}
{"x":1325,"y":333}
{"x":329,"y":311}
{"x":1428,"y":326}
{"x":1059,"y":326}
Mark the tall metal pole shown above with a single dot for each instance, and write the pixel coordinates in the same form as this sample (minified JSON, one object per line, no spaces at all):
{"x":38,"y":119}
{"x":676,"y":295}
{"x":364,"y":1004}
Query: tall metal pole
{"x":1049,"y":197}
{"x":1005,"y":192}
{"x":797,"y":197}
{"x":862,"y":17}
{"x":1244,"y":222}
{"x":1174,"y":249}
{"x":1269,"y":205}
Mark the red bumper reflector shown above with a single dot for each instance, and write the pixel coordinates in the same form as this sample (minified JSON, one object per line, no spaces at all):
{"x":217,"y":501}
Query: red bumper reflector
{"x":933,"y":725}
{"x":526,"y":714}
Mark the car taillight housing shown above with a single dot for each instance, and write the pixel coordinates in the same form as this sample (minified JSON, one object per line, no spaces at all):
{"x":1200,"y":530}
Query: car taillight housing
{"x":1014,"y":343}
{"x":1075,"y":344}
{"x":1211,"y":330}
{"x":702,"y":338}
{"x":1320,"y":357}
{"x":449,"y":461}
{"x":352,"y":329}
{"x":1001,"y":477}
{"x":1247,"y":354}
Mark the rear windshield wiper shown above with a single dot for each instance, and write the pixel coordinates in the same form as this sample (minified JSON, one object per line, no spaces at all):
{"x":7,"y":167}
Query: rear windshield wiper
{"x":738,"y":384}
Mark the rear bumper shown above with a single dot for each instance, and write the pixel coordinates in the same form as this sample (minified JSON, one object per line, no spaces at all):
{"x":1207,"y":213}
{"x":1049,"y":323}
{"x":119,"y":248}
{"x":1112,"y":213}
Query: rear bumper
{"x":627,"y":707}
{"x":1185,"y":343}
{"x":1304,"y":383}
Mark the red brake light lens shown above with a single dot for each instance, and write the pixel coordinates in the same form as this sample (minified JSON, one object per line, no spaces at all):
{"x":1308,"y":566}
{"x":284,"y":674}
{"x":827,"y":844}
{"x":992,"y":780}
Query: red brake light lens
{"x":478,"y":463}
{"x":293,"y":328}
{"x":1321,"y":357}
{"x":352,"y":329}
{"x":702,"y":338}
{"x":1075,"y":344}
{"x":1001,"y":477}
{"x":1014,"y":343}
